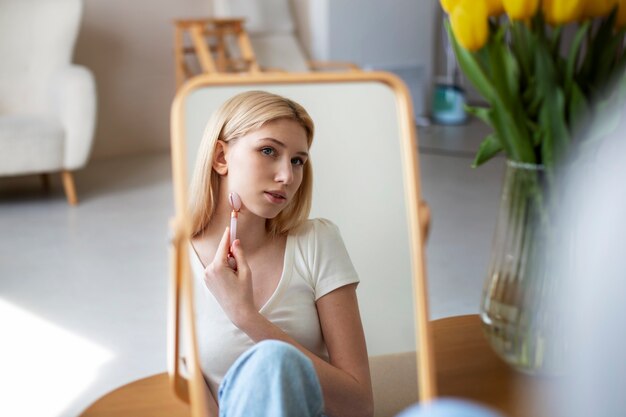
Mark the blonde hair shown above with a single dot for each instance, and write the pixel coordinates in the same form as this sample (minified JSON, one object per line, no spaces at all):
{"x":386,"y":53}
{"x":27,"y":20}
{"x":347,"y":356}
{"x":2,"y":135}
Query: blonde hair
{"x":239,"y":115}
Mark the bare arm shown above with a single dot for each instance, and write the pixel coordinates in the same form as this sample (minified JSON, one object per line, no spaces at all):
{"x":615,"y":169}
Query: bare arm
{"x":214,"y":410}
{"x":343,"y":333}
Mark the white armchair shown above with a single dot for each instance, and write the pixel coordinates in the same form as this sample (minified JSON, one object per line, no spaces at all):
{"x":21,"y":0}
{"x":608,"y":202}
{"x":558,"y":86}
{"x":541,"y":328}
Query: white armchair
{"x":47,"y":104}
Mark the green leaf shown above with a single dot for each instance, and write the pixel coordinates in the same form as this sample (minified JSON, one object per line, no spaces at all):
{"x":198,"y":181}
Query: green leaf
{"x":599,"y":54}
{"x":620,"y":62}
{"x":512,"y":74}
{"x":482,"y":59}
{"x":508,"y":116}
{"x":523,"y":45}
{"x":471,"y":68}
{"x":556,"y":136}
{"x":504,"y":69}
{"x":605,"y":62}
{"x":544,"y":69}
{"x":536,"y":134}
{"x":578,"y":108}
{"x":507,"y":120}
{"x":621,"y":89}
{"x":608,"y":116}
{"x":572,"y":57}
{"x":555,"y":41}
{"x":514,"y":138}
{"x":489,"y":148}
{"x":482,"y":113}
{"x":532,"y":99}
{"x":520,"y":49}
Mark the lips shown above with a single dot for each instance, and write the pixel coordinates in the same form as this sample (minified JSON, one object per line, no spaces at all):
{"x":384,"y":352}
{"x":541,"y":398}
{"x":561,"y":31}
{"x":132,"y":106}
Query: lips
{"x":276,"y":196}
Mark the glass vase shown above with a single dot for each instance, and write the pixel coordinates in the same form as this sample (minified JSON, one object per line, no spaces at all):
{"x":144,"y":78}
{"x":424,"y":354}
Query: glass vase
{"x":518,"y":310}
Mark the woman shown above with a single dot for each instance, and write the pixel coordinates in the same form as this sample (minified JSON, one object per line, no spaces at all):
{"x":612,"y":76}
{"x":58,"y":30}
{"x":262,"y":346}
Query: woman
{"x":280,"y":333}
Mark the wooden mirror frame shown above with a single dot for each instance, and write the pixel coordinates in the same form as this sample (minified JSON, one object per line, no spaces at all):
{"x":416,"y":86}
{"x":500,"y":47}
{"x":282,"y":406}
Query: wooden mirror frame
{"x":193,"y":389}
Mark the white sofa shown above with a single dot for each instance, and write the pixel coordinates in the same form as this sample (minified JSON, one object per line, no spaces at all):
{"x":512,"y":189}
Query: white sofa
{"x":47,"y":104}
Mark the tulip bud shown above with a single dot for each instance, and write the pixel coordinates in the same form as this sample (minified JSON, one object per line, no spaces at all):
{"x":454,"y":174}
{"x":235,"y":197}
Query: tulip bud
{"x":521,"y":9}
{"x":621,"y":14}
{"x":494,"y":7}
{"x":558,"y":12}
{"x":598,"y":8}
{"x":449,"y":5}
{"x":470,"y":26}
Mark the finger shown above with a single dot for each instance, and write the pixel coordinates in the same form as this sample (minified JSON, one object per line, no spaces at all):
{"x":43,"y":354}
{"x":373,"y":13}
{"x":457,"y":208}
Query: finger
{"x":221,"y":254}
{"x":232,"y":263}
{"x":239,"y":255}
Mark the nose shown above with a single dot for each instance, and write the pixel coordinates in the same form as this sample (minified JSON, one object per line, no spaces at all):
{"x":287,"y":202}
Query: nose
{"x":284,"y":174}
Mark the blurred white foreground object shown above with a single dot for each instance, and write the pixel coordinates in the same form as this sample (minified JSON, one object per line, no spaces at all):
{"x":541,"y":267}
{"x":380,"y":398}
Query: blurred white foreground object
{"x":448,"y":407}
{"x":596,"y":270}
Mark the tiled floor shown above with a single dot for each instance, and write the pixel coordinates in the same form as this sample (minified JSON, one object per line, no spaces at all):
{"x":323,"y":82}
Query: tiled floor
{"x":83,"y":289}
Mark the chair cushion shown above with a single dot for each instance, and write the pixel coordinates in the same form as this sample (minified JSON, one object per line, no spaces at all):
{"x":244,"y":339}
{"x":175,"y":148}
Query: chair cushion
{"x":30,"y":144}
{"x":36,"y":39}
{"x":280,"y":52}
{"x":261,"y":16}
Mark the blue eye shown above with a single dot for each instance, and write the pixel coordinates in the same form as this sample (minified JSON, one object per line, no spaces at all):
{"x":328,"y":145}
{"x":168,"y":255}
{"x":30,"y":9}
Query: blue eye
{"x":269,"y":151}
{"x":297,"y":161}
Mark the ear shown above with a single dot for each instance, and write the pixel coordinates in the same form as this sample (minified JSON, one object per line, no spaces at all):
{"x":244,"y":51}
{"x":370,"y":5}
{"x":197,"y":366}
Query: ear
{"x":220,"y":165}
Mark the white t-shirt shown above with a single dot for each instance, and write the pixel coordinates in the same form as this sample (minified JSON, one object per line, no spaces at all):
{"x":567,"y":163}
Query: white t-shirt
{"x":316,"y":262}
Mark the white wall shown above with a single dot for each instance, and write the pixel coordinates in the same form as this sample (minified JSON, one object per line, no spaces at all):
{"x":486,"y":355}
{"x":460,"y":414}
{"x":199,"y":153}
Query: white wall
{"x":376,"y":32}
{"x":129,"y":47}
{"x":392,"y":35}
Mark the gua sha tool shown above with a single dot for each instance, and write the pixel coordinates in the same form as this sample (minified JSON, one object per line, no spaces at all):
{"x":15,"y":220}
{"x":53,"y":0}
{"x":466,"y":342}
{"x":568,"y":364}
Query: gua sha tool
{"x":235,"y":204}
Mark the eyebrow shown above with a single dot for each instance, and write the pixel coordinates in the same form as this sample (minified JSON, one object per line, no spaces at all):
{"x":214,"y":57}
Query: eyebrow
{"x":282,"y":145}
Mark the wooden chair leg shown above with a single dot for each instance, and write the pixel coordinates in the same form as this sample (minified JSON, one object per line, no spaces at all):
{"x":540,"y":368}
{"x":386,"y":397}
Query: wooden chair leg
{"x":68,"y":185}
{"x":179,"y":55}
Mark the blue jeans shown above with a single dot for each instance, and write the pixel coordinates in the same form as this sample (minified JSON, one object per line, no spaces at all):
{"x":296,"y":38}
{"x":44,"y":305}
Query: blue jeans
{"x":272,"y":378}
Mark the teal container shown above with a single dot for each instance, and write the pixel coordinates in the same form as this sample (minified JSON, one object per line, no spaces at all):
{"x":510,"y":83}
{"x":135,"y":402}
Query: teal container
{"x":448,"y":105}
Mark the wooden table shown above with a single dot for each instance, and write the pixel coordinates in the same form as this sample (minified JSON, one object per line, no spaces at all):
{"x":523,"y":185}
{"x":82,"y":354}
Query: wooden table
{"x":147,"y":397}
{"x":466,"y":368}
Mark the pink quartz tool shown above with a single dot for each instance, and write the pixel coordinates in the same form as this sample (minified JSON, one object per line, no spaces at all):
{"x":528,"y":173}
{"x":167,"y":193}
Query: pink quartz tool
{"x":235,"y":204}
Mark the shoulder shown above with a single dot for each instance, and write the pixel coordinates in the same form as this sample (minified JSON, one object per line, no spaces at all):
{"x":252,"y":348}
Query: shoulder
{"x":318,"y":228}
{"x":319,"y":242}
{"x":323,"y":254}
{"x":316,"y":233}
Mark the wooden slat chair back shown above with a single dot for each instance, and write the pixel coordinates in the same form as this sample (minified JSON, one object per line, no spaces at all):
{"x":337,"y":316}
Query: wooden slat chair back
{"x":211,"y":46}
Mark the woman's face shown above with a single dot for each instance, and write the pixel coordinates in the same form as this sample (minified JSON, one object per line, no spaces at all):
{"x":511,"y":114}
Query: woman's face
{"x":265,"y":166}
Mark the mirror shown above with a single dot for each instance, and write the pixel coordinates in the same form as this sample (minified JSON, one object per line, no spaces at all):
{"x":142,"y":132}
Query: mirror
{"x":366,"y":181}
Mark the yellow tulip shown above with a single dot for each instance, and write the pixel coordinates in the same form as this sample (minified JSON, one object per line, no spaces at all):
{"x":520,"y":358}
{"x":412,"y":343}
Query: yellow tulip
{"x":494,"y":7}
{"x":621,"y":14}
{"x":598,"y":8}
{"x":558,"y":12}
{"x":449,"y":5}
{"x":521,"y":9}
{"x":470,"y":26}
